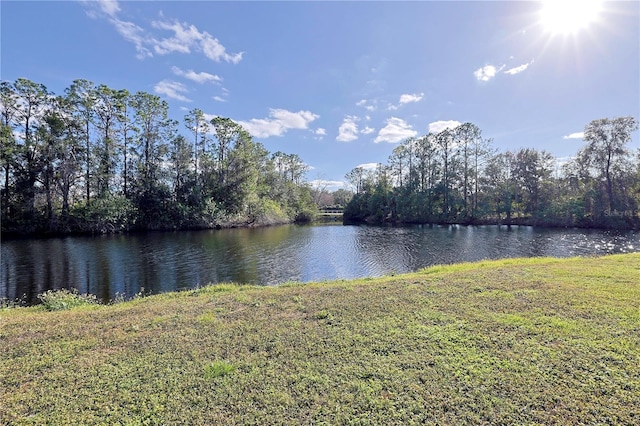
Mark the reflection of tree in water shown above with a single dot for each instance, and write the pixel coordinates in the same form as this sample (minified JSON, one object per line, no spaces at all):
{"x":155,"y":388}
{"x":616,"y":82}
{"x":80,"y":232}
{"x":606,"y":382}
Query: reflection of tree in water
{"x":159,"y":262}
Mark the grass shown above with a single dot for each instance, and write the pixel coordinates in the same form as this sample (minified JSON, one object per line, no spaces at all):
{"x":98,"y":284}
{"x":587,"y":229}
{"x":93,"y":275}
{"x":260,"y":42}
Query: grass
{"x":525,"y":341}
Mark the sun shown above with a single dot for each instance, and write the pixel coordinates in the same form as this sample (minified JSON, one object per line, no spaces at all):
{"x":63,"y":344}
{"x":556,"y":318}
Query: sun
{"x":569,"y":16}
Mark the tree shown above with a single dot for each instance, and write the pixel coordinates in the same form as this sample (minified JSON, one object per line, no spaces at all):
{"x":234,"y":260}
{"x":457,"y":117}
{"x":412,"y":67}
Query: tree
{"x":126,"y":125}
{"x":356,"y":177}
{"x":198,"y":126}
{"x":8,"y":147}
{"x":245,"y":157}
{"x":82,"y":96}
{"x":69,"y":153}
{"x":532,"y":169}
{"x":449,"y":156}
{"x":227,"y":133}
{"x":606,"y":150}
{"x":49,"y":134}
{"x":482,"y":151}
{"x":154,"y":130}
{"x":32,"y":100}
{"x":182,"y":170}
{"x":341,"y":197}
{"x":499,"y":187}
{"x":108,"y":109}
{"x":399,"y":162}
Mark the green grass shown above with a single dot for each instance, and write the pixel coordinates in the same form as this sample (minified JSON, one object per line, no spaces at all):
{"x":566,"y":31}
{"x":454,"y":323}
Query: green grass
{"x":525,"y":341}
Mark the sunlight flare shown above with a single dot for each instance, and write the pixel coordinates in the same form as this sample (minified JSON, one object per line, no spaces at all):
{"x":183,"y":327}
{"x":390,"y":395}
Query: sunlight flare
{"x":569,"y":16}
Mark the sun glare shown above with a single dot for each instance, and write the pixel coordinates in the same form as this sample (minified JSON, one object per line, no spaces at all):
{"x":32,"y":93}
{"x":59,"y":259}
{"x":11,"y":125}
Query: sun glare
{"x":569,"y":16}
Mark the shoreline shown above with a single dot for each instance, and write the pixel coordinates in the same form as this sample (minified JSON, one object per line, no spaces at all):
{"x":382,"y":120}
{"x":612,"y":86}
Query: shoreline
{"x":489,"y":342}
{"x":11,"y":235}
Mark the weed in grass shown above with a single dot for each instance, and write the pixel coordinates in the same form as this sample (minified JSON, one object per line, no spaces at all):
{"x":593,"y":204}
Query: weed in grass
{"x":218,"y":369}
{"x":122,"y":297}
{"x":8,"y":304}
{"x":323,"y":314}
{"x":60,"y":300}
{"x":207,"y":318}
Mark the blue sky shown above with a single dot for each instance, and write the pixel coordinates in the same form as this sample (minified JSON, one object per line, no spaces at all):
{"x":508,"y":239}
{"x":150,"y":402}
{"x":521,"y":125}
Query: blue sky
{"x":342,"y":83}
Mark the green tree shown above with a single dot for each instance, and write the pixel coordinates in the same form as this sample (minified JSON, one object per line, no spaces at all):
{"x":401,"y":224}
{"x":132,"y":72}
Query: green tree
{"x":8,"y":147}
{"x":196,"y":123}
{"x":342,"y":197}
{"x":154,"y":130}
{"x":448,"y":150}
{"x":126,"y":128}
{"x":81,"y":95}
{"x":182,"y":174}
{"x":606,"y":151}
{"x":32,"y":100}
{"x":532,"y":171}
{"x":68,"y":153}
{"x":108,"y":110}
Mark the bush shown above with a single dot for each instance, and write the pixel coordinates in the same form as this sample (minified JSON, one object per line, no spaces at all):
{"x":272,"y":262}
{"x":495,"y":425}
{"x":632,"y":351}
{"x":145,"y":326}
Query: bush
{"x":218,"y":369}
{"x":105,"y":215}
{"x":59,"y":300}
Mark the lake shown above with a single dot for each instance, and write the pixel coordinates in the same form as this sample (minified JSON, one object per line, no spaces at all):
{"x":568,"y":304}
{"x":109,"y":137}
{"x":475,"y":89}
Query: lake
{"x":113,"y":265}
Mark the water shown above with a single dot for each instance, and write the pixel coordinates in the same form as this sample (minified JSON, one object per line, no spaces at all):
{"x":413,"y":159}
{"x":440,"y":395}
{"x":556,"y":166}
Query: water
{"x":158,"y":262}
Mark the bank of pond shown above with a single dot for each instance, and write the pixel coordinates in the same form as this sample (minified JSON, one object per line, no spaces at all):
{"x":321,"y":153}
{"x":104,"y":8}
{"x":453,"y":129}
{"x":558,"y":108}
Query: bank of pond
{"x":513,"y":341}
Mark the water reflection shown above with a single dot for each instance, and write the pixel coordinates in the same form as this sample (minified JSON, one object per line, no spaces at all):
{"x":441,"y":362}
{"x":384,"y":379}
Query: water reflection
{"x":158,"y":262}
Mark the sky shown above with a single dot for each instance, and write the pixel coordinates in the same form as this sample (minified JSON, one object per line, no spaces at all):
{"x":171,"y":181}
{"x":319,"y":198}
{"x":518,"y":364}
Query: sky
{"x":342,"y":84}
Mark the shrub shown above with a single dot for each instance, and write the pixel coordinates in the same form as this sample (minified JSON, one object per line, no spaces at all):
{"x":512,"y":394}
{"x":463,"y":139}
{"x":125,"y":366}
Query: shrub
{"x":218,"y":369}
{"x":59,"y":300}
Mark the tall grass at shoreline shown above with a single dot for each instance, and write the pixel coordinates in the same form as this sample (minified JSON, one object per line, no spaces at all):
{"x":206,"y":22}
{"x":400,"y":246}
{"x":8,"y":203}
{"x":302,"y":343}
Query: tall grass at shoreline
{"x":518,"y":341}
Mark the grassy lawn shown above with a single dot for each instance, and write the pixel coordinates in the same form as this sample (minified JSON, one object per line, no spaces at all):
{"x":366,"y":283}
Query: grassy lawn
{"x":526,"y":341}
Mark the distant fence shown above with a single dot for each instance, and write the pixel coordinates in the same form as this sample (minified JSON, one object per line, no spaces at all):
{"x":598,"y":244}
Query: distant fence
{"x":331,"y":211}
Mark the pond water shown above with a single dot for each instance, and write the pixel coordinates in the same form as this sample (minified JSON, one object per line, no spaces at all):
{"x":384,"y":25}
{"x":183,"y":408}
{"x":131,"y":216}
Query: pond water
{"x":113,"y":265}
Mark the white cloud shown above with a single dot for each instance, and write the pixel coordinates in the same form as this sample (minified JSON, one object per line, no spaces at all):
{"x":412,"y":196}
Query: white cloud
{"x":320,"y":131}
{"x":134,"y":34}
{"x":348,"y":130}
{"x":518,"y":69}
{"x":486,"y":73}
{"x":368,"y":166}
{"x":367,"y":130}
{"x":439,"y":126}
{"x":214,"y":50}
{"x":182,"y":41}
{"x":109,"y":7}
{"x":368,"y":105}
{"x":198,"y":77}
{"x":185,"y":37}
{"x":278,"y":122}
{"x":395,"y":131}
{"x":577,"y":135}
{"x":407,"y":98}
{"x":219,"y":99}
{"x":328,"y":185}
{"x":172,"y":89}
{"x":210,"y":117}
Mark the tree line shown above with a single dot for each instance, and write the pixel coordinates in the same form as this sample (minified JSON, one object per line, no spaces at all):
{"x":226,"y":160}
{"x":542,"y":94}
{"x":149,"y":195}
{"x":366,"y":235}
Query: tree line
{"x":98,"y":159}
{"x":456,"y":176}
